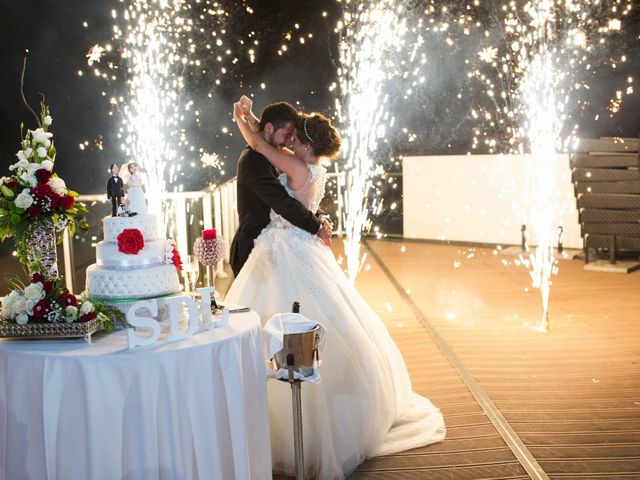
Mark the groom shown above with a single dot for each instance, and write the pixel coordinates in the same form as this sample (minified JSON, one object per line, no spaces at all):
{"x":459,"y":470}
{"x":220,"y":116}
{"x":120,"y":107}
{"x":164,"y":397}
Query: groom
{"x":258,"y":190}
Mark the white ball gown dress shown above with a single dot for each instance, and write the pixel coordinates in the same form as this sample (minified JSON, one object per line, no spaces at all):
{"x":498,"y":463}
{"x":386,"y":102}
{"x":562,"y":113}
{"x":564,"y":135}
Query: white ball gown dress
{"x":364,"y":406}
{"x":135,"y":195}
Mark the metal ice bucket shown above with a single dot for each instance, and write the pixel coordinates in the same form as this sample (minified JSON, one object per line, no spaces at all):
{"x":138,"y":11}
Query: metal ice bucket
{"x":303,"y":346}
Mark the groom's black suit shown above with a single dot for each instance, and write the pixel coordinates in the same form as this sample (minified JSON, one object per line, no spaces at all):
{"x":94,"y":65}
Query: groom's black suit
{"x":258,"y":192}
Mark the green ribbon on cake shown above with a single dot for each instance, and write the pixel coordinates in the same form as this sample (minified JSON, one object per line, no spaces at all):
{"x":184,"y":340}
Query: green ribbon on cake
{"x":130,"y":300}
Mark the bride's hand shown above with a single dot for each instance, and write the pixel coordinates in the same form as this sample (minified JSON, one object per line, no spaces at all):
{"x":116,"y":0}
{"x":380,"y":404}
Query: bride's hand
{"x":238,"y":116}
{"x":245,"y":105}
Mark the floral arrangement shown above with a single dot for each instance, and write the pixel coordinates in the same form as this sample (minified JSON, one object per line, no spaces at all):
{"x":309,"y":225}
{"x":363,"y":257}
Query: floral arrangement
{"x":34,"y":193}
{"x":35,"y":207}
{"x":172,"y":255}
{"x":46,"y":300}
{"x":130,"y":241}
{"x":209,"y":248}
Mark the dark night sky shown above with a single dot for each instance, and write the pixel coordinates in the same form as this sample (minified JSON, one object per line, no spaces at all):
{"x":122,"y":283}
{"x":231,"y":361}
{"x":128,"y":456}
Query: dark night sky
{"x":58,"y":43}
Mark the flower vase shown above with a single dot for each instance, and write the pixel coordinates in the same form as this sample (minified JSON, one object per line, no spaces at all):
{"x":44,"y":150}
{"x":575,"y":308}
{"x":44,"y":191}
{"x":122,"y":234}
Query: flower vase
{"x":41,"y":248}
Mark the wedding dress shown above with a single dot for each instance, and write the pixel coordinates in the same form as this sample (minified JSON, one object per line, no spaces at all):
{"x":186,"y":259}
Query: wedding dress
{"x":135,"y":195}
{"x":364,"y":405}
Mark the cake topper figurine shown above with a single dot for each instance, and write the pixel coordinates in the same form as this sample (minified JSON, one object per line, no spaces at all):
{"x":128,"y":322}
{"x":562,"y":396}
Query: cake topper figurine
{"x":115,"y":190}
{"x":135,"y":196}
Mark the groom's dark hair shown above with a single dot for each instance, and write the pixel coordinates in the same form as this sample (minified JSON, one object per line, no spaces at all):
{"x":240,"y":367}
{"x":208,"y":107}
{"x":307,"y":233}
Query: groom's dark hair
{"x":278,"y":114}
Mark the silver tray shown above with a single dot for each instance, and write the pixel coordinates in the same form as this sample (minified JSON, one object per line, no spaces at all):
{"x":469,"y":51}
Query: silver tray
{"x":50,"y":330}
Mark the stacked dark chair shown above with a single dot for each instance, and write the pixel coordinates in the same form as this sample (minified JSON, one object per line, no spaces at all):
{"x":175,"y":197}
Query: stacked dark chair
{"x":606,"y":180}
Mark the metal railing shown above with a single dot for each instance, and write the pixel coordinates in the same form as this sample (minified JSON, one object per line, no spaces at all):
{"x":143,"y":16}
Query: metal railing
{"x":188,"y":214}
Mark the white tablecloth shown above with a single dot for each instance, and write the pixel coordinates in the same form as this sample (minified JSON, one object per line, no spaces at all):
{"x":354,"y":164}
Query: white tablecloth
{"x":187,"y":410}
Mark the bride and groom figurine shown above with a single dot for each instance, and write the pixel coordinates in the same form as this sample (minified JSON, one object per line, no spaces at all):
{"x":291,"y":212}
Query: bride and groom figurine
{"x":129,"y":174}
{"x":365,"y":405}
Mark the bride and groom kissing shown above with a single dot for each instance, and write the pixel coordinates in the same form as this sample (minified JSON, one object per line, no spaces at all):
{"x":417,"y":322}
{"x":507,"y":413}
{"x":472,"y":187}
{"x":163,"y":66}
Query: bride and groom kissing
{"x":364,"y":406}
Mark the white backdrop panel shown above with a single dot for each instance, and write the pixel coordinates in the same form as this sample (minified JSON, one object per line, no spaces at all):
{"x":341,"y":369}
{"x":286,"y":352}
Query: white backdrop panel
{"x":479,"y":198}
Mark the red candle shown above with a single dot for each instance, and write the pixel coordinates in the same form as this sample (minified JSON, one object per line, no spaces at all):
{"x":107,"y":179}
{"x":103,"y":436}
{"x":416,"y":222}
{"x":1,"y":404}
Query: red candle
{"x":209,"y":234}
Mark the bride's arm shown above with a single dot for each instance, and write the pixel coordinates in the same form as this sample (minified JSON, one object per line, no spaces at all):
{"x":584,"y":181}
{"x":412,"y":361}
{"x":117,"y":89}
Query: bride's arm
{"x":295,"y":168}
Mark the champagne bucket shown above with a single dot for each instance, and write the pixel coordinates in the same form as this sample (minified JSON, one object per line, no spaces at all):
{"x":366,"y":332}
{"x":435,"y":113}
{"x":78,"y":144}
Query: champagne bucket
{"x":303,"y":346}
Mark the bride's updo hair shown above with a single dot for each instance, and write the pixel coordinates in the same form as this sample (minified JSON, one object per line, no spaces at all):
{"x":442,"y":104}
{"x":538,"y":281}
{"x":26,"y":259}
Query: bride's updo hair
{"x":316,"y":130}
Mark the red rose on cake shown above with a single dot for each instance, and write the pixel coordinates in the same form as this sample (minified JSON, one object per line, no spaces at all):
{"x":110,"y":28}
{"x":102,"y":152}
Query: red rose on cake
{"x":130,"y":241}
{"x":177,"y":261}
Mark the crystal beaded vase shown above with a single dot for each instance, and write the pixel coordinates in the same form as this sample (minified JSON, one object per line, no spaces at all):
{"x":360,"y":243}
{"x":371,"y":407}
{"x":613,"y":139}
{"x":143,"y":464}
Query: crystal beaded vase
{"x":42,"y":254}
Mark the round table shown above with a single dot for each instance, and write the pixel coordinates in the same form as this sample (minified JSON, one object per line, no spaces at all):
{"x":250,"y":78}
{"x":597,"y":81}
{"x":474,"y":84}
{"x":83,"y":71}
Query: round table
{"x":185,"y":410}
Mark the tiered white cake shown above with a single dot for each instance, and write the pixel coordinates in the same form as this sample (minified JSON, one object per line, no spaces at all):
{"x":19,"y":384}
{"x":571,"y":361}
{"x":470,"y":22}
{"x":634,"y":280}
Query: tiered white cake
{"x":118,"y":276}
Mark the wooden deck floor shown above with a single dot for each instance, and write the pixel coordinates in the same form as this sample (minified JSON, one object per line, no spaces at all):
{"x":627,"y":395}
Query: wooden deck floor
{"x":465,"y":320}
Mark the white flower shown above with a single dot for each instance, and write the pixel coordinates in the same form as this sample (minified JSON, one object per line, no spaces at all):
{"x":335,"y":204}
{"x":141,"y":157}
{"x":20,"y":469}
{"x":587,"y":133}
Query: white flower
{"x":47,"y":165}
{"x":20,"y":166}
{"x":32,"y":168}
{"x":30,"y":304}
{"x":86,"y":308}
{"x":8,"y":302}
{"x":58,"y":185}
{"x":21,"y":156}
{"x":28,"y":152}
{"x":20,"y":306}
{"x":35,"y":291}
{"x":102,"y":317}
{"x":29,"y":179}
{"x":40,"y":136}
{"x":22,"y":319}
{"x":42,"y":152}
{"x":48,"y":120}
{"x":70,"y":314}
{"x":24,"y":200}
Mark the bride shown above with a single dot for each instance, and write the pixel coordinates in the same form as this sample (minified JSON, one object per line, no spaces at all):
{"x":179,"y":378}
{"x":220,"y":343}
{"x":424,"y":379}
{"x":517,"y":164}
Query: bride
{"x":364,"y":406}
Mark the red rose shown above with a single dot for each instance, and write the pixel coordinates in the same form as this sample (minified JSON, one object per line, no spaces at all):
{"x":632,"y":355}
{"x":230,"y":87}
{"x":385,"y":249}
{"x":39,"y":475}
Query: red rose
{"x":41,"y":191}
{"x":68,"y":300}
{"x":34,"y":211}
{"x":48,"y":286}
{"x":130,"y":241}
{"x":37,"y":277}
{"x":177,"y":261}
{"x":55,"y":200}
{"x":10,"y":183}
{"x":43,"y":175}
{"x":87,"y":317}
{"x":67,"y":202}
{"x":209,"y":234}
{"x":40,"y":309}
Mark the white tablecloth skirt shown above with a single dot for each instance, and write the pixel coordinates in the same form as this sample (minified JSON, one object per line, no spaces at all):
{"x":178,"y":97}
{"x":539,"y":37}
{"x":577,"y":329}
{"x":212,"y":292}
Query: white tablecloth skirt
{"x":195,"y":409}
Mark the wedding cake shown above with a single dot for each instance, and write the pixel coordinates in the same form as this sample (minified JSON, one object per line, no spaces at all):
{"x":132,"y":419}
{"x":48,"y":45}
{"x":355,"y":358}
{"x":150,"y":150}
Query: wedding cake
{"x":133,"y":262}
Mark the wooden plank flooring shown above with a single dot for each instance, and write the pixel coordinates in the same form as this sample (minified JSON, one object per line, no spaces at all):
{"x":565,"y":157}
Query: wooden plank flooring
{"x":572,"y":395}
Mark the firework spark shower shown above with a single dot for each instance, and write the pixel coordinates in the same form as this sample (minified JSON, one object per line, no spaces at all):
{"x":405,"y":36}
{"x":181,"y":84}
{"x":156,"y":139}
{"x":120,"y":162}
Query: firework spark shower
{"x":370,"y":33}
{"x":150,"y":111}
{"x":550,"y":49}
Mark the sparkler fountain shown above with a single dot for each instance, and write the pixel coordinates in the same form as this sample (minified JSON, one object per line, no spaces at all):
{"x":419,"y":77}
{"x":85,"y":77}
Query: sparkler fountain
{"x":550,"y":49}
{"x":542,"y":106}
{"x":370,"y":32}
{"x":151,"y":113}
{"x":166,"y":50}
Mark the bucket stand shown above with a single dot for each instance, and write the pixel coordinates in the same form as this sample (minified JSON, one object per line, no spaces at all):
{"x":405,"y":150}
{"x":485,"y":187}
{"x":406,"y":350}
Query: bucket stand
{"x":296,"y":401}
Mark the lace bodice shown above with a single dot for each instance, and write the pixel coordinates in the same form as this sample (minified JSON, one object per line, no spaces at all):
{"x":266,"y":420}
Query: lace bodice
{"x":310,"y":195}
{"x":135,"y":181}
